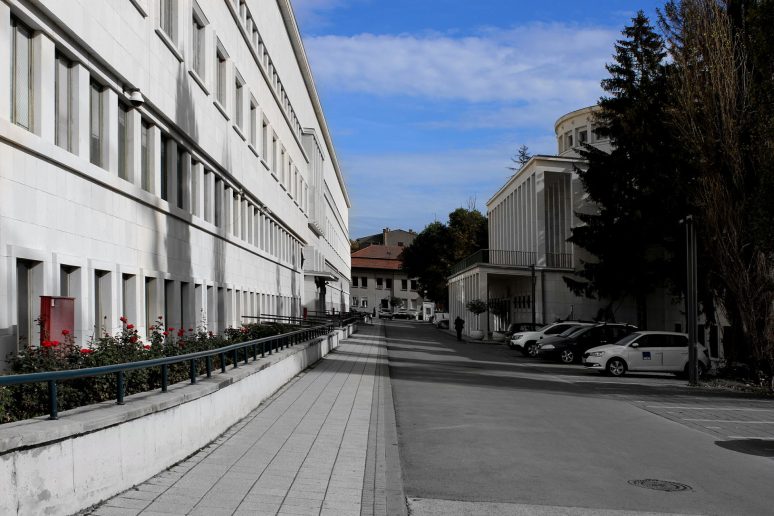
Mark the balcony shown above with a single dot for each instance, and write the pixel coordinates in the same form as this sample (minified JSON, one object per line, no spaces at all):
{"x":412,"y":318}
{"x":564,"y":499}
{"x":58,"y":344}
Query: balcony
{"x":513,"y":259}
{"x":496,"y":257}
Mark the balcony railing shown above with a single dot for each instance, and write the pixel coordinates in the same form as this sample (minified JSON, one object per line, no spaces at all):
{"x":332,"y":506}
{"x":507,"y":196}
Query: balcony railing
{"x":496,"y":257}
{"x":513,"y":259}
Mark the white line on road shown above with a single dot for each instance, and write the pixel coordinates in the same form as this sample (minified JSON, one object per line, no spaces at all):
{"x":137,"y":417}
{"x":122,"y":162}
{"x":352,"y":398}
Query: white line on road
{"x":727,"y":421}
{"x":708,"y":408}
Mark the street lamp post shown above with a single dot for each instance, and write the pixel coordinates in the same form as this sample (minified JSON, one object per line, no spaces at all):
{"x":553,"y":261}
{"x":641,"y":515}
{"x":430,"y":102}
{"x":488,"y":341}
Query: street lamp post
{"x":691,"y":299}
{"x":532,"y":269}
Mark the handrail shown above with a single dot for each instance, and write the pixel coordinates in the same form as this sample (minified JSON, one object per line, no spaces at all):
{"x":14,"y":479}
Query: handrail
{"x":275,"y":343}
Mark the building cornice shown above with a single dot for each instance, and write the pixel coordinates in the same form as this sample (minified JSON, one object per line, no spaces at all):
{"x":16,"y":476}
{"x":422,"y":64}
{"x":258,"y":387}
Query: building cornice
{"x":291,"y":26}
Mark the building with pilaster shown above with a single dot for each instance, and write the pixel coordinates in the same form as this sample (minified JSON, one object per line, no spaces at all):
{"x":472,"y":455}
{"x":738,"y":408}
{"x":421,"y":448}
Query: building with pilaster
{"x":530,"y":219}
{"x":164,"y":158}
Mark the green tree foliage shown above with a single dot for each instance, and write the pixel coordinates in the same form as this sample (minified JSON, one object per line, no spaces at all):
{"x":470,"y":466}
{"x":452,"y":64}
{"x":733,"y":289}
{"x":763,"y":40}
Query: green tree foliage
{"x":637,"y":189}
{"x":439,"y":246}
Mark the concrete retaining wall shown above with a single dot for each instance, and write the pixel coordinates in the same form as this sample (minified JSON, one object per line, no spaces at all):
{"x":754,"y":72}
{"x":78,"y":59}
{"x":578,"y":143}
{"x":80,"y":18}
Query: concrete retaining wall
{"x":94,"y":452}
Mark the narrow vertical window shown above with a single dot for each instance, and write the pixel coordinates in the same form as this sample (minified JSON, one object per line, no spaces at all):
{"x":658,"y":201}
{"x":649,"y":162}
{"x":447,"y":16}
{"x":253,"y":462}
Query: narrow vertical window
{"x":218,"y":201}
{"x":253,"y":124}
{"x":220,"y":81}
{"x":180,"y":178}
{"x":63,"y":101}
{"x":145,"y":158}
{"x":21,"y":70}
{"x":197,"y":44}
{"x":95,"y":123}
{"x":123,"y":142}
{"x":238,"y":101}
{"x":265,"y":138}
{"x":164,"y":170}
{"x":167,"y":17}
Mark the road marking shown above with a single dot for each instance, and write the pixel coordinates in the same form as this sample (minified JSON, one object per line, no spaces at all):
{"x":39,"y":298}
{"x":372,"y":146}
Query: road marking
{"x":708,"y":408}
{"x":729,"y":421}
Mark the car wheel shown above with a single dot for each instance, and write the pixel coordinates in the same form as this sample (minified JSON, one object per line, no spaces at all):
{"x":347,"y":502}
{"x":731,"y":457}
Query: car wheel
{"x":532,"y":349}
{"x":567,"y":356}
{"x":616,"y":367}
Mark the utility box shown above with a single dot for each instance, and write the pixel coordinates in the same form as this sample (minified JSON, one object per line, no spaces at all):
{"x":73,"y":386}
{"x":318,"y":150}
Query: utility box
{"x":56,"y":314}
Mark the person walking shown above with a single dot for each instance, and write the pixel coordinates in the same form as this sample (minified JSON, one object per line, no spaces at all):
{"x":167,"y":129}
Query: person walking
{"x":458,"y":325}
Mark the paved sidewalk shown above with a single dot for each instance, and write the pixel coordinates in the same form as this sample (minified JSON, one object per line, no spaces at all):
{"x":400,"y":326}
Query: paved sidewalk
{"x":325,"y":444}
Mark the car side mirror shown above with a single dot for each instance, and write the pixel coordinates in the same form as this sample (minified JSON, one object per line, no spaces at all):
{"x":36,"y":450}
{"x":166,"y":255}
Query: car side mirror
{"x":634,"y":345}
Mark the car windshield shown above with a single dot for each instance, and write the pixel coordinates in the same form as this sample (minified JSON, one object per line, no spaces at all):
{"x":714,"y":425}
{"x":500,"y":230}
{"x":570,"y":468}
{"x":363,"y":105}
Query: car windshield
{"x":574,"y":331}
{"x":626,"y":340}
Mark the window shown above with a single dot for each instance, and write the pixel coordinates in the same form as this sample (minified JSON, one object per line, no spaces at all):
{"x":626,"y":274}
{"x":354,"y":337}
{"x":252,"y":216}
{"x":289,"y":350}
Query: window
{"x":63,"y":100}
{"x":354,"y":281}
{"x":164,"y":170}
{"x":568,"y":140}
{"x":218,"y":201}
{"x":150,"y":303}
{"x":129,"y":297}
{"x":404,"y":284}
{"x":388,"y":282}
{"x":265,"y":141}
{"x":21,"y":70}
{"x":363,"y":302}
{"x":123,"y":142}
{"x":197,"y":42}
{"x":364,"y":282}
{"x":181,"y":179}
{"x":354,"y":300}
{"x":145,"y":159}
{"x":220,"y":80}
{"x":413,"y":284}
{"x":208,"y":196}
{"x":68,"y":280}
{"x":583,"y":136}
{"x":238,"y":101}
{"x":167,"y":17}
{"x":29,"y":288}
{"x":170,"y":317}
{"x":95,"y":124}
{"x":379,"y":282}
{"x":253,"y":123}
{"x":102,"y":323}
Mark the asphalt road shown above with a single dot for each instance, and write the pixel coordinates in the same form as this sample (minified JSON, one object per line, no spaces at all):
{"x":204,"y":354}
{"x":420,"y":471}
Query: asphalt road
{"x":483,"y":430}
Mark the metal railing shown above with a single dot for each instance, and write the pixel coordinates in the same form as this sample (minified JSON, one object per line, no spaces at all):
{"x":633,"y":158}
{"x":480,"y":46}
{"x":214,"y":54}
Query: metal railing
{"x":236,"y":352}
{"x":496,"y":257}
{"x":559,"y":260}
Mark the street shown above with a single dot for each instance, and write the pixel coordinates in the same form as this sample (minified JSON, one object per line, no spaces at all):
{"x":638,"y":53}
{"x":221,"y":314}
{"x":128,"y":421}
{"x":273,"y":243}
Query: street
{"x":482,"y":429}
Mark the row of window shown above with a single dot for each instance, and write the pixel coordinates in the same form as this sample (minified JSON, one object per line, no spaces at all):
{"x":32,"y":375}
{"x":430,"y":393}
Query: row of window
{"x":362,"y":282}
{"x":384,"y":303}
{"x":166,"y":167}
{"x":180,"y":304}
{"x":577,"y":137}
{"x":250,"y":125}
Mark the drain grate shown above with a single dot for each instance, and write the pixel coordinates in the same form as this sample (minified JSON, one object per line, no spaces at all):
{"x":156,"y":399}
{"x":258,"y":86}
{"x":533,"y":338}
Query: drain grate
{"x":660,"y":485}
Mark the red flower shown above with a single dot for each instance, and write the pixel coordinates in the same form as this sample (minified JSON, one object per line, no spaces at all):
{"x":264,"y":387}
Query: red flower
{"x":129,"y":326}
{"x":86,"y":351}
{"x":171,"y":329}
{"x":65,"y":332}
{"x":165,"y":333}
{"x":123,"y":319}
{"x":190,"y":329}
{"x":210,"y":333}
{"x":46,"y":344}
{"x":54,"y":343}
{"x":147,"y":346}
{"x":180,"y":332}
{"x":133,"y":339}
{"x":152,"y":328}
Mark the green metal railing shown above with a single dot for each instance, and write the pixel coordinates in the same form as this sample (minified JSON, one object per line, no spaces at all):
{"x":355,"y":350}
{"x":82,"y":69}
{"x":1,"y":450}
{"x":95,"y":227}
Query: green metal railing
{"x":236,"y":352}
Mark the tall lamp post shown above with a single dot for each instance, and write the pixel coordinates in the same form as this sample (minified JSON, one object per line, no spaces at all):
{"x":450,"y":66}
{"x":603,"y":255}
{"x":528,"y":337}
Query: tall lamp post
{"x":691,"y":298}
{"x":532,"y":269}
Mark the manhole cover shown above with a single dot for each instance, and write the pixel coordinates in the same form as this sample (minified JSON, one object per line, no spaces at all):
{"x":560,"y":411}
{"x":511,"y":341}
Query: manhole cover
{"x":660,"y":485}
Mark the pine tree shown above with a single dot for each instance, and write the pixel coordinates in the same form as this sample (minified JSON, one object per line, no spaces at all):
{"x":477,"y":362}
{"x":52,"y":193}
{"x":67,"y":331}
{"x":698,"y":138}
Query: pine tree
{"x":637,"y":190}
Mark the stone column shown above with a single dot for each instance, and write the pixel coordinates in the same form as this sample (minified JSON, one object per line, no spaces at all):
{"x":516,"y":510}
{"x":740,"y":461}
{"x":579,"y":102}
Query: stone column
{"x":43,"y":86}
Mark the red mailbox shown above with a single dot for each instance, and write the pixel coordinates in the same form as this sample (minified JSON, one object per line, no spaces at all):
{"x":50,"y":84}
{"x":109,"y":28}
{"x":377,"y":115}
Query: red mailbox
{"x":56,"y":314}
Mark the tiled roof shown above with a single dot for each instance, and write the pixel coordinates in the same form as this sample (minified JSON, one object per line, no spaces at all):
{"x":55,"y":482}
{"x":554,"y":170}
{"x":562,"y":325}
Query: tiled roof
{"x":378,"y":257}
{"x":371,"y":263}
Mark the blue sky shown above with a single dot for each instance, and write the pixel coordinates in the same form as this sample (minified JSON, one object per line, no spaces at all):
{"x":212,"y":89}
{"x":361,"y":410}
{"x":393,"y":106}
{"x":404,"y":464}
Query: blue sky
{"x":427,"y":101}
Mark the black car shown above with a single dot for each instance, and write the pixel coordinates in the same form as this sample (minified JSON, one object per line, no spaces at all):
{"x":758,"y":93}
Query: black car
{"x":569,"y":346}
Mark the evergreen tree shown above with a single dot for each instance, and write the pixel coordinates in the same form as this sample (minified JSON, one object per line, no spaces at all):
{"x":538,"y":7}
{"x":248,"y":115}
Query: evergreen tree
{"x":637,"y":190}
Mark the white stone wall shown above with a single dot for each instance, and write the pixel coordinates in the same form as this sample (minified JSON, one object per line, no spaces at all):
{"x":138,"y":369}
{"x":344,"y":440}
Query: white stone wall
{"x":230,"y":248}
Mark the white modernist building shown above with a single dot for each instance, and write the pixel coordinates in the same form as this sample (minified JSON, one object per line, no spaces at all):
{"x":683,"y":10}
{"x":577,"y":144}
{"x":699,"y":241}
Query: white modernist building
{"x":164,"y":158}
{"x":530,"y":220}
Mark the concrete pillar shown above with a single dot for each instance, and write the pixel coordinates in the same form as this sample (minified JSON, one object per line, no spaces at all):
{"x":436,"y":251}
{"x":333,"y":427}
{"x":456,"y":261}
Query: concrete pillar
{"x":134,"y":147}
{"x":199,"y":306}
{"x":154,"y":152}
{"x":186,"y":177}
{"x":5,"y":78}
{"x":197,"y":189}
{"x":43,"y":86}
{"x":209,"y":204}
{"x":228,"y":210}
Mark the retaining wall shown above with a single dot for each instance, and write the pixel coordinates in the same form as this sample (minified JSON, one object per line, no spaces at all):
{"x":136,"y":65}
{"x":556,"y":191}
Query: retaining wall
{"x":92,"y":453}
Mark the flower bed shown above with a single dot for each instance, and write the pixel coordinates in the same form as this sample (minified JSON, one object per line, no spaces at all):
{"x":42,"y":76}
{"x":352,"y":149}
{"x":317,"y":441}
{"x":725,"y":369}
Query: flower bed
{"x":18,"y":402}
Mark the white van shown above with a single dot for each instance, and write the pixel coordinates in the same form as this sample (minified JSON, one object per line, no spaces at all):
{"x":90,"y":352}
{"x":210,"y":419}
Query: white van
{"x":658,"y":351}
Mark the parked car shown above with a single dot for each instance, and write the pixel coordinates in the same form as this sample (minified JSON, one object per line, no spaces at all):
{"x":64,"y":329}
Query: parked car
{"x":665,"y":351}
{"x":442,"y":324}
{"x":405,"y":314}
{"x":527,"y":341}
{"x":569,"y":347}
{"x":519,"y":327}
{"x":385,"y":314}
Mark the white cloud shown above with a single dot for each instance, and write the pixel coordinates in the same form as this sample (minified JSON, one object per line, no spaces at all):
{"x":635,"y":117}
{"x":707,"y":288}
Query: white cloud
{"x":312,"y":13}
{"x":530,"y":63}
